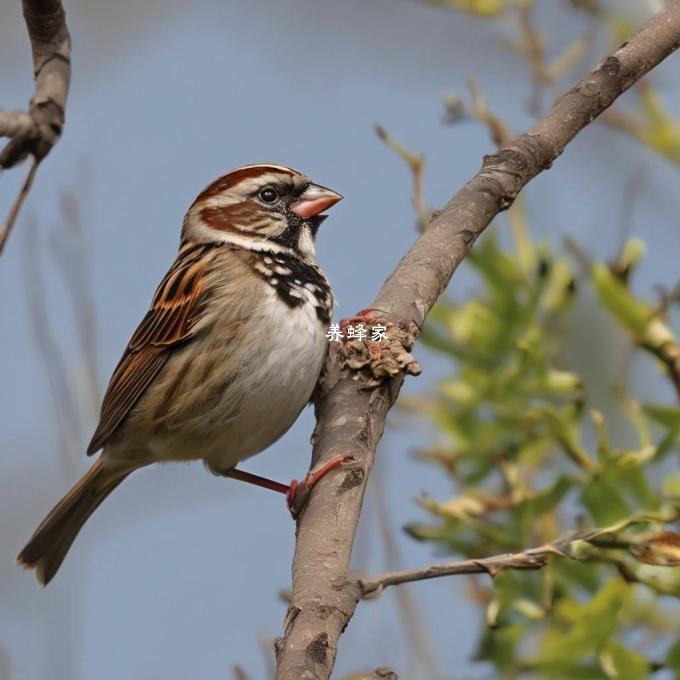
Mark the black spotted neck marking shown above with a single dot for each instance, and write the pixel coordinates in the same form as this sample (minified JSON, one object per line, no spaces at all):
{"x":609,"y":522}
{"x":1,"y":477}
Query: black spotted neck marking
{"x":296,"y":282}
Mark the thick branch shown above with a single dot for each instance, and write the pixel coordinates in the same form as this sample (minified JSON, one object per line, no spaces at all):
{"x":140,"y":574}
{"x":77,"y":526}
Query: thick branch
{"x":36,"y":131}
{"x":351,"y":416}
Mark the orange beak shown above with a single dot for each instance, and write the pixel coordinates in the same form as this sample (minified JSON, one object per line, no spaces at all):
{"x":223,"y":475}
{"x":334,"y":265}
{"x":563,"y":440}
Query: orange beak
{"x":314,"y":200}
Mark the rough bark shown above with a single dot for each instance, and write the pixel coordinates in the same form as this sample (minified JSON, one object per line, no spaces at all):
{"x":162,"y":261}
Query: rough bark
{"x":36,"y":131}
{"x":351,"y":412}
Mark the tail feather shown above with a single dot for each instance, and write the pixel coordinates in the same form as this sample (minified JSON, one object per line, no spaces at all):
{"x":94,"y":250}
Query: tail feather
{"x":47,"y":548}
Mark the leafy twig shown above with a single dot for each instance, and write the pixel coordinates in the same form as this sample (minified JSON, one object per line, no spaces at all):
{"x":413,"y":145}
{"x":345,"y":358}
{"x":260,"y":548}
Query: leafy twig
{"x":536,"y":558}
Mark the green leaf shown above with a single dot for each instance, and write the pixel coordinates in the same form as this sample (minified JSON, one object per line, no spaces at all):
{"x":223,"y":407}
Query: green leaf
{"x":596,"y":626}
{"x":565,"y":427}
{"x":563,"y":382}
{"x":673,"y":657}
{"x":425,"y":532}
{"x":604,"y":502}
{"x":632,"y":253}
{"x":627,"y":474}
{"x":662,"y":132}
{"x":621,"y":663}
{"x":546,"y":500}
{"x":558,"y":292}
{"x":630,"y":312}
{"x":529,"y":609}
{"x":671,"y":485}
{"x":587,"y":576}
{"x":668,"y":416}
{"x":499,"y":646}
{"x":665,"y":446}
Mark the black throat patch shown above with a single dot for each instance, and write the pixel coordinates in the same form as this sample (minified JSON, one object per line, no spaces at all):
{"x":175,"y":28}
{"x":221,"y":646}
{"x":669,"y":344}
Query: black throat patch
{"x":296,"y":282}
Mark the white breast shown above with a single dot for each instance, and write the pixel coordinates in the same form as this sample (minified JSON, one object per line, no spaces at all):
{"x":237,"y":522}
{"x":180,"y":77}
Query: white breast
{"x":280,"y":369}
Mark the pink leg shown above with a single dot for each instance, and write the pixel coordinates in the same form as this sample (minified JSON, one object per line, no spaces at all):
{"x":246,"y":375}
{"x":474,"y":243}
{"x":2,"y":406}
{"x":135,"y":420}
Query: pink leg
{"x":296,"y":492}
{"x":262,"y":482}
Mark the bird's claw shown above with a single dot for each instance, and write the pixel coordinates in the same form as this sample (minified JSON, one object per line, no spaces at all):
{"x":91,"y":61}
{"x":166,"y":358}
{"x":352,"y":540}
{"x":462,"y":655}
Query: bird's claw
{"x":298,"y":492}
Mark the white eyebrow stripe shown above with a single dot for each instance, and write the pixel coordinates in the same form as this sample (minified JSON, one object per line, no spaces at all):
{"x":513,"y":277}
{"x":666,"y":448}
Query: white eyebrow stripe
{"x":271,"y":166}
{"x":253,"y":183}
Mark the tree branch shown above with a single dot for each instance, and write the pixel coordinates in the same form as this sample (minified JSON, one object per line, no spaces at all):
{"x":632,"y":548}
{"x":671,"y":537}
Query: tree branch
{"x":534,"y":558}
{"x":658,"y":548}
{"x":351,"y":412}
{"x":36,"y":131}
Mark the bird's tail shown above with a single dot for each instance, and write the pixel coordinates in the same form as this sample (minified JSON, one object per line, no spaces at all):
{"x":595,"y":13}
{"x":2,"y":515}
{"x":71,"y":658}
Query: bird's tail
{"x":50,"y":542}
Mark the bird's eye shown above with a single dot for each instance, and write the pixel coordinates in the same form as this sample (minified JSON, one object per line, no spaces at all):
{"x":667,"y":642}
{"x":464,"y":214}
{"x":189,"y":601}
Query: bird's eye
{"x":268,"y":195}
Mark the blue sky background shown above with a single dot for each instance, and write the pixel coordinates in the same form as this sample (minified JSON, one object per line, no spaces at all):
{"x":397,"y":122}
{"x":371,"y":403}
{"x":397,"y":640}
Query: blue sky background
{"x":177,"y":574}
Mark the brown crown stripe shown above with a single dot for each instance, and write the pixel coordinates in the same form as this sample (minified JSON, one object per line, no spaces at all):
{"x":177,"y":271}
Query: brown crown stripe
{"x":231,"y":179}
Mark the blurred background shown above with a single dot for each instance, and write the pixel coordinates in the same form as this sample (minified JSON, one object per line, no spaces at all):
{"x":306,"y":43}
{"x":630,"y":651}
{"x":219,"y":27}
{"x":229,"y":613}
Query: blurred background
{"x":180,"y":574}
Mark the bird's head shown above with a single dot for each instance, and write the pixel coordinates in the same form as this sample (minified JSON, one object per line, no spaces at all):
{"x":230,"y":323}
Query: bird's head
{"x":260,"y":207}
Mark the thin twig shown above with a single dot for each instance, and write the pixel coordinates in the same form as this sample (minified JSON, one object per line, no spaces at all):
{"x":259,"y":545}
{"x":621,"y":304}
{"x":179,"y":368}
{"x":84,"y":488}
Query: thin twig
{"x":350,"y":407}
{"x":498,"y":129}
{"x":6,"y":228}
{"x":533,"y":46}
{"x":416,"y":164}
{"x":535,"y":558}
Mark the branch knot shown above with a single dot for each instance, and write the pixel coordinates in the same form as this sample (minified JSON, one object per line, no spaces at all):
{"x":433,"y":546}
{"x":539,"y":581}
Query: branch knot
{"x":381,"y":359}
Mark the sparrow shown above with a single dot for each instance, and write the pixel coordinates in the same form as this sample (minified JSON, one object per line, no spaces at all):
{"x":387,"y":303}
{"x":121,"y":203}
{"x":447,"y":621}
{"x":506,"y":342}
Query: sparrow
{"x":226,"y":357}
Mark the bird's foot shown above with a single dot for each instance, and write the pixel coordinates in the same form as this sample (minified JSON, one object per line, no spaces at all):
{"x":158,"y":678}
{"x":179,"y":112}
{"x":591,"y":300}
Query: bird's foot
{"x":298,"y":492}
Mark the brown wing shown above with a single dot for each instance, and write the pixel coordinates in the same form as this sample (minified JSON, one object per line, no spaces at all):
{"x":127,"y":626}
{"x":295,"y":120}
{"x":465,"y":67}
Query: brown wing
{"x":176,"y":307}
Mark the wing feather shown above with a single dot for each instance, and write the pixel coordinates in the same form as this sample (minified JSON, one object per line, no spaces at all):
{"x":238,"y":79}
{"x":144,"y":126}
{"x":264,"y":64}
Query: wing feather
{"x":176,"y":307}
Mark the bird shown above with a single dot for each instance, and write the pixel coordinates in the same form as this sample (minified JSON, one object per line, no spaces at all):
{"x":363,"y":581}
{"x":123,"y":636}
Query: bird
{"x":227,"y":355}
